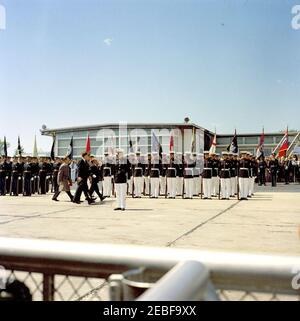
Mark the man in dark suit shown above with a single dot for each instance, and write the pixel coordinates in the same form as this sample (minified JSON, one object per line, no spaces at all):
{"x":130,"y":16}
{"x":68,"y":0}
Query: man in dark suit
{"x":83,"y":174}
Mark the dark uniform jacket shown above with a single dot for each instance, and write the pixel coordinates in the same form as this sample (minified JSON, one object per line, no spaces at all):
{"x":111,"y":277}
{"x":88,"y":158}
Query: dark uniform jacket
{"x":208,"y":168}
{"x":224,"y":168}
{"x":244,"y":168}
{"x":4,"y":169}
{"x":121,"y":170}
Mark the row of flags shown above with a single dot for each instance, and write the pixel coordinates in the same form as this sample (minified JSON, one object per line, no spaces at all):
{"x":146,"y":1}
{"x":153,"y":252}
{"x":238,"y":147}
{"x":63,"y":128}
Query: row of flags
{"x":233,"y":147}
{"x":157,"y":147}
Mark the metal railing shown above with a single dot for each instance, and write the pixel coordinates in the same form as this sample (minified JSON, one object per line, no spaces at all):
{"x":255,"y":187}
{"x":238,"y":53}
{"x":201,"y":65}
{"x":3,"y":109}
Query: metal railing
{"x":91,"y":271}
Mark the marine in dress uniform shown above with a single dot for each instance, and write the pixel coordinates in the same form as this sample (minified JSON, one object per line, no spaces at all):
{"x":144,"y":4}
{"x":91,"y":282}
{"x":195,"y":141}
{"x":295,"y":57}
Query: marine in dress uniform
{"x":8,"y":174}
{"x":43,"y":167}
{"x":253,"y":174}
{"x":138,"y":176}
{"x":244,"y":173}
{"x":27,"y":176}
{"x":215,"y":174}
{"x":262,"y":165}
{"x":171,"y":177}
{"x":21,"y":161}
{"x":273,"y":168}
{"x":131,"y":159}
{"x":147,"y":167}
{"x":224,"y":170}
{"x":15,"y":177}
{"x":189,"y":165}
{"x":120,"y":178}
{"x":35,"y":176}
{"x":179,"y":174}
{"x":162,"y":178}
{"x":107,"y":172}
{"x":4,"y":171}
{"x":233,"y":173}
{"x":196,"y":175}
{"x":207,"y":176}
{"x":155,"y":174}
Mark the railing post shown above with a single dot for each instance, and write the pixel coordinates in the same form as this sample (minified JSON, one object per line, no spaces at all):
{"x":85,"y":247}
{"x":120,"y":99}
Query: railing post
{"x":187,"y":281}
{"x":48,"y":287}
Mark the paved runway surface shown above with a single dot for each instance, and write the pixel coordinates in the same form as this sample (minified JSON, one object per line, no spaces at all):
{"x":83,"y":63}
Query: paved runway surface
{"x":267,"y":223}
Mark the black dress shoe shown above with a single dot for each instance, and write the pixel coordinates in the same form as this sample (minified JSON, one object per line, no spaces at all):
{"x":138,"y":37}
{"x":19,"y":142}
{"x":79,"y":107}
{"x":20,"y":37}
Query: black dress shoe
{"x":55,"y":199}
{"x":76,"y":202}
{"x":102,"y":198}
{"x":122,"y":209}
{"x":117,"y":209}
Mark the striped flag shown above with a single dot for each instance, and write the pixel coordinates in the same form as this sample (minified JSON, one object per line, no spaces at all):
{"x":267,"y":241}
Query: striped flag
{"x":213,"y":146}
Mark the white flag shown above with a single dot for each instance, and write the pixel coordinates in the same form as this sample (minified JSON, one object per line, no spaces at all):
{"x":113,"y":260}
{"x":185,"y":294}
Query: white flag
{"x":213,"y":146}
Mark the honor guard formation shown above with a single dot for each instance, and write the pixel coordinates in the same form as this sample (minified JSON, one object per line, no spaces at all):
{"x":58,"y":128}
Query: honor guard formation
{"x":153,"y":175}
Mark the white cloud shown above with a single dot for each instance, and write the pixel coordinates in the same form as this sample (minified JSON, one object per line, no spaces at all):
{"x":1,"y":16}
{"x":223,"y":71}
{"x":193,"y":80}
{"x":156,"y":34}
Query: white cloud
{"x":108,"y":41}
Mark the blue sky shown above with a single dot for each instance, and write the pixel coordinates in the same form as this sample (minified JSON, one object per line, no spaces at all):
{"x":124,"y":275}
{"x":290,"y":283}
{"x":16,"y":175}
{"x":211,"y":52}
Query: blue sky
{"x":224,"y":63}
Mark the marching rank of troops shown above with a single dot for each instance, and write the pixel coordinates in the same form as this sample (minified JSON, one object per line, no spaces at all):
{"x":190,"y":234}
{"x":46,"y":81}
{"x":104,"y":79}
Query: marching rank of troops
{"x":153,"y":175}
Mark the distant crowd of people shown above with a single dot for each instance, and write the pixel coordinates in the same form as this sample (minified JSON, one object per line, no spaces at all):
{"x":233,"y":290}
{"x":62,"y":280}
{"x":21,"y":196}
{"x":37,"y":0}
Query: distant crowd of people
{"x":174,"y":175}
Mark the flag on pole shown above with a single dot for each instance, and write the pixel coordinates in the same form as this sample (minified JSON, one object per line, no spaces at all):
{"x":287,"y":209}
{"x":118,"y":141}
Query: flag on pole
{"x":233,"y":147}
{"x":213,"y":146}
{"x":171,"y":142}
{"x":5,"y":147}
{"x":88,"y":145}
{"x":260,"y":151}
{"x":284,"y":145}
{"x":52,"y":154}
{"x":193,"y":143}
{"x":70,"y":150}
{"x":19,"y":149}
{"x":35,"y":152}
{"x":130,"y":145}
{"x":156,"y":145}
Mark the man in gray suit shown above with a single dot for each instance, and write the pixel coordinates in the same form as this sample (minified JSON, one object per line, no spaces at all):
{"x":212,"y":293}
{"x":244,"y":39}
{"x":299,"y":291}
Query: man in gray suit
{"x":64,"y":180}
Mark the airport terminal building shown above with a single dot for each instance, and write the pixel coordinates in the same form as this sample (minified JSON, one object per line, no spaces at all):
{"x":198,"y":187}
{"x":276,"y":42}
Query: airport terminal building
{"x":133,"y":137}
{"x":107,"y":137}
